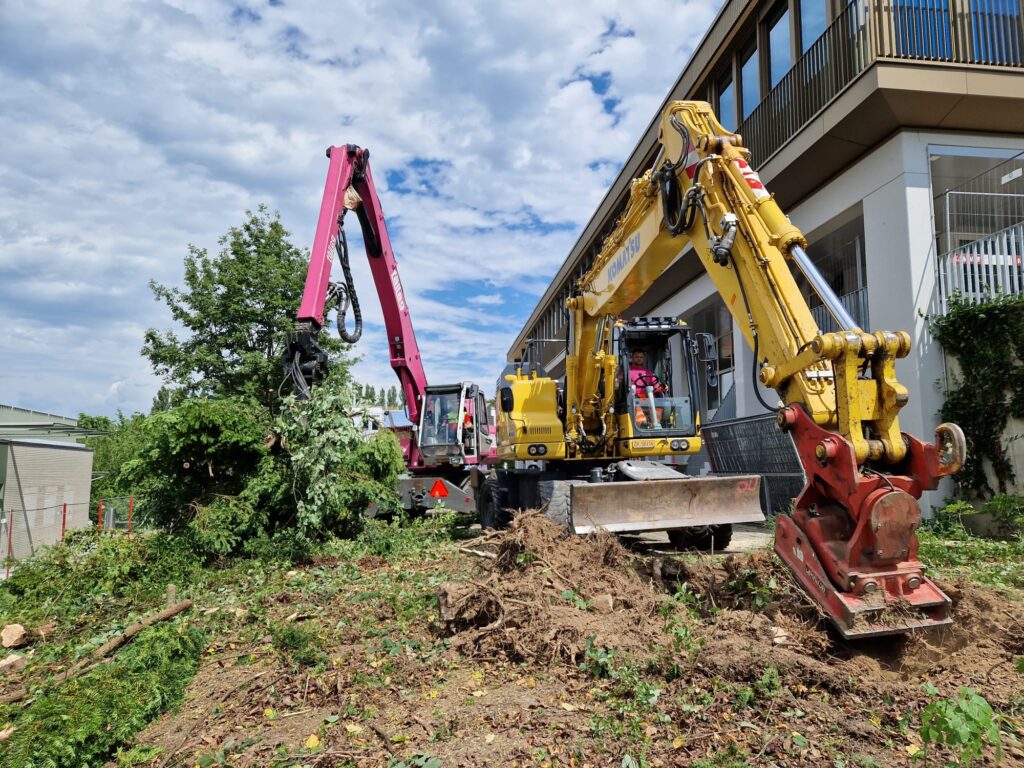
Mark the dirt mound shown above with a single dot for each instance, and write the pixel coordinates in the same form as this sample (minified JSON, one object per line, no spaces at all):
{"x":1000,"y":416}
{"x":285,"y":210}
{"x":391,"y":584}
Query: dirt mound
{"x":547,"y":594}
{"x":766,"y":621}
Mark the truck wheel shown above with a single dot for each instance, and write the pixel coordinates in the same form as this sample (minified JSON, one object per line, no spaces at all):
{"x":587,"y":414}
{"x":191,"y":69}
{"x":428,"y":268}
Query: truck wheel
{"x":490,"y":512}
{"x":703,"y":539}
{"x":554,"y":495}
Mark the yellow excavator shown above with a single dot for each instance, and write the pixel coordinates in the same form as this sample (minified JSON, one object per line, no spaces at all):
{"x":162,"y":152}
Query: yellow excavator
{"x":587,"y":448}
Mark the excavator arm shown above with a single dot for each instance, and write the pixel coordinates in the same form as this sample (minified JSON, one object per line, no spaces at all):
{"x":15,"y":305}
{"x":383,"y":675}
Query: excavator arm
{"x":350,"y":187}
{"x":850,"y":540}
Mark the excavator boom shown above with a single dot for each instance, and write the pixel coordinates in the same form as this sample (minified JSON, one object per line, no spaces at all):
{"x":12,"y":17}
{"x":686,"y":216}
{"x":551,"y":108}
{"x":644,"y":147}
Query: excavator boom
{"x":850,"y":540}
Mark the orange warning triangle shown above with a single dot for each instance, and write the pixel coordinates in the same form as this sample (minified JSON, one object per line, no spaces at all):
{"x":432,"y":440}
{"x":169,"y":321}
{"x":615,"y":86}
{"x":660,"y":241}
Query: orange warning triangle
{"x":437,"y":490}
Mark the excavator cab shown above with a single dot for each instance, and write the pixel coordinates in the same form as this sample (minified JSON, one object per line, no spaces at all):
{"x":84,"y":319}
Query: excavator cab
{"x":657,"y":362}
{"x":454,"y":426}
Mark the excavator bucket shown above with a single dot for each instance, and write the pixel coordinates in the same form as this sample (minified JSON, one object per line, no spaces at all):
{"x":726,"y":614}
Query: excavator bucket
{"x":888,"y":610}
{"x":634,"y":506}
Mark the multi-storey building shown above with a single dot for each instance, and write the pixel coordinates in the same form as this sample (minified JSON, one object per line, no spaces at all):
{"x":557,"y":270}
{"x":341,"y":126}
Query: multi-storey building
{"x":876,"y":124}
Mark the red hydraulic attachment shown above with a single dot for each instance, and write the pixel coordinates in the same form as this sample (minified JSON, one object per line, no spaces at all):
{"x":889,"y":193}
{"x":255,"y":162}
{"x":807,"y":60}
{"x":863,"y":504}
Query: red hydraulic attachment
{"x":350,"y":187}
{"x":851,"y":539}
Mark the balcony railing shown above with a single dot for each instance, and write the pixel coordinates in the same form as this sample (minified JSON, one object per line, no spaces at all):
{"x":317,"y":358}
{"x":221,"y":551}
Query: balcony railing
{"x":856,"y":303}
{"x":983,"y":269}
{"x":958,"y":31}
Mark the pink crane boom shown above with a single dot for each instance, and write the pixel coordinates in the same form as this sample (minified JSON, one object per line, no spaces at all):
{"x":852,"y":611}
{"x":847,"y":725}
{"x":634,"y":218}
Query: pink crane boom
{"x":350,"y":187}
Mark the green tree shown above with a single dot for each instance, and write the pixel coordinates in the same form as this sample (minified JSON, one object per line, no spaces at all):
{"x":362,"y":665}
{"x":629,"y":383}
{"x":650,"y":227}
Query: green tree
{"x":370,"y":394}
{"x":119,"y":443}
{"x":234,"y":310}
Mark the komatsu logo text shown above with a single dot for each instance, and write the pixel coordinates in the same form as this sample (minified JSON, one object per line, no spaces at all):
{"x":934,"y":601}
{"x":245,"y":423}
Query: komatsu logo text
{"x":624,"y":256}
{"x":397,"y":285}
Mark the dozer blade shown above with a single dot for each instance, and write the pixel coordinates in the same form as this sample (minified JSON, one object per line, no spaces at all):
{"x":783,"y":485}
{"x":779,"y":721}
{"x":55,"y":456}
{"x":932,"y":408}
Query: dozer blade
{"x":659,"y":505}
{"x":883,"y":612}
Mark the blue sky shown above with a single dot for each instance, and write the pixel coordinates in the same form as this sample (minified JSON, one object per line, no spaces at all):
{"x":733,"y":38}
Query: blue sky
{"x":134,"y":128}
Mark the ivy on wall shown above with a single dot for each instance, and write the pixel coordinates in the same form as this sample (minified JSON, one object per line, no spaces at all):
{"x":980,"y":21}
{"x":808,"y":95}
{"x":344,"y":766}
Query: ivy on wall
{"x":987,"y":340}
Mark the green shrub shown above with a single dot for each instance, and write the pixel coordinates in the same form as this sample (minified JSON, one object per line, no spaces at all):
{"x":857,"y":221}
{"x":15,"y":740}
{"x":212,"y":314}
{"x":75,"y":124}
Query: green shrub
{"x":299,"y":642}
{"x":965,"y":724}
{"x":948,"y":520}
{"x":987,"y":341}
{"x":337,"y":473}
{"x":74,"y":583}
{"x":1007,"y":512}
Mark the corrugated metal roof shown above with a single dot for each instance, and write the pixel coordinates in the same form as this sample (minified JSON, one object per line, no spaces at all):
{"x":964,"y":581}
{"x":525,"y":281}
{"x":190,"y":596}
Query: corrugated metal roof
{"x":44,"y":443}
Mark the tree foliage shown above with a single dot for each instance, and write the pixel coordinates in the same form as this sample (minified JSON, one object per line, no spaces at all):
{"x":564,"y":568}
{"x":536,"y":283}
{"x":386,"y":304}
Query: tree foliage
{"x":337,"y":472}
{"x":111,"y":450}
{"x":234,"y":310}
{"x":193,"y":454}
{"x":987,"y":341}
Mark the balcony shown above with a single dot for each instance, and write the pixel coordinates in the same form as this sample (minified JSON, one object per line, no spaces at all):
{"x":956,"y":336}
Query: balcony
{"x":989,"y":33}
{"x":984,"y":269}
{"x":981,"y":236}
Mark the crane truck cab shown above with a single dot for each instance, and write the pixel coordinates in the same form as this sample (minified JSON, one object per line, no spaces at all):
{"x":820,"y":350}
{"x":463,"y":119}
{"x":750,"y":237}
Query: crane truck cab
{"x":454,"y":428}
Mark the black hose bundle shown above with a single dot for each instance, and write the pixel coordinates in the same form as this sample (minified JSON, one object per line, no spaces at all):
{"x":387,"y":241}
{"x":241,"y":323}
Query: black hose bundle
{"x":346,"y":294}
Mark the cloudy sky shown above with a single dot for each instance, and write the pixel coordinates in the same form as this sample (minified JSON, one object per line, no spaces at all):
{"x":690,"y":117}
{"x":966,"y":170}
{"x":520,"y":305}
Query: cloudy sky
{"x":131,"y":129}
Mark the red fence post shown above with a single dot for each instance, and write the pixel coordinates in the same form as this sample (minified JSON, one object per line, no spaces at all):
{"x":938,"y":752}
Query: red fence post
{"x":10,"y":541}
{"x":99,"y":518}
{"x":131,"y":507}
{"x":64,"y":521}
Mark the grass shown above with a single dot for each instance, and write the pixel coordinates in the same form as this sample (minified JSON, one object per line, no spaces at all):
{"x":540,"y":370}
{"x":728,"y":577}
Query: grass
{"x":374,"y":596}
{"x":984,"y":561}
{"x":91,"y":588}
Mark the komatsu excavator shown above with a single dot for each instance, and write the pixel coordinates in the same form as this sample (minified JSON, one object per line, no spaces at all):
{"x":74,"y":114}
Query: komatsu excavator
{"x":451,"y":429}
{"x":850,"y":540}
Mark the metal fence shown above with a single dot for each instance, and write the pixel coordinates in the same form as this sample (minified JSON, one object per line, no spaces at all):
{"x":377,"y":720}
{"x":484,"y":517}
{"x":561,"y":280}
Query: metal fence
{"x":21,"y":538}
{"x":756,"y":446}
{"x":981,"y":240}
{"x":957,"y":31}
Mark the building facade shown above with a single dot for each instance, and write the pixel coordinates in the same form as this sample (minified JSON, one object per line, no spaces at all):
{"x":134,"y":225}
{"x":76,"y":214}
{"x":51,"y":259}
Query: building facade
{"x":868,"y":120}
{"x":45,"y":480}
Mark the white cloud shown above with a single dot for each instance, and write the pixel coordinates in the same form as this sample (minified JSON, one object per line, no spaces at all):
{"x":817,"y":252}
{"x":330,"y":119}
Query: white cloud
{"x":485,"y":299}
{"x":134,"y":128}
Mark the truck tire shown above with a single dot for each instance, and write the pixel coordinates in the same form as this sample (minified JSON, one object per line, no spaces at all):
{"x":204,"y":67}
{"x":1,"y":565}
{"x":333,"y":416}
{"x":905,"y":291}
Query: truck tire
{"x":491,"y":513}
{"x":703,"y":539}
{"x":555,"y":498}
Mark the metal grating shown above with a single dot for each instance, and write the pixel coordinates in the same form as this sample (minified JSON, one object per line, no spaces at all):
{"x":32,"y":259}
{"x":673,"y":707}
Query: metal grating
{"x":756,"y":446}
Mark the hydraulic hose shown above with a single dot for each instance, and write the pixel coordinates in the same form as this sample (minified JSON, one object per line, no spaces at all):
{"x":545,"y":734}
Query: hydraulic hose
{"x":347,"y":293}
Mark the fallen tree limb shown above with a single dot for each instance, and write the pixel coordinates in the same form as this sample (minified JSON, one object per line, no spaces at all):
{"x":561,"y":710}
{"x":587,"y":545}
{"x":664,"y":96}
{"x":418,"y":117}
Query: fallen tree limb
{"x":94,"y":659}
{"x":478,"y":553}
{"x":116,"y":642}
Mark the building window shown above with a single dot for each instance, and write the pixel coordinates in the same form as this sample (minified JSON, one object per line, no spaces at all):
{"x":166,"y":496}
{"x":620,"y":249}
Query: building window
{"x":780,"y":52}
{"x":727,"y":103}
{"x":812,"y":22}
{"x":750,"y":81}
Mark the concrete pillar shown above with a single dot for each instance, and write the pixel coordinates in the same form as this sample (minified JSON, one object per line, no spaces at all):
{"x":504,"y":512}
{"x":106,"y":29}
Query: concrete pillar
{"x":899,"y":241}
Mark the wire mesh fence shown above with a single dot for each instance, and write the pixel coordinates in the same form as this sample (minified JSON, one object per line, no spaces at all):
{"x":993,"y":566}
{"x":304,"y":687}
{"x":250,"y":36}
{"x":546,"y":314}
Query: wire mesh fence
{"x":24,"y":532}
{"x":755,"y":445}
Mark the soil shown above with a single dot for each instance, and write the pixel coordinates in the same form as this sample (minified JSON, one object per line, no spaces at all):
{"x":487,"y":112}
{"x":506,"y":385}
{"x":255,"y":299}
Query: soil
{"x":547,"y":650}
